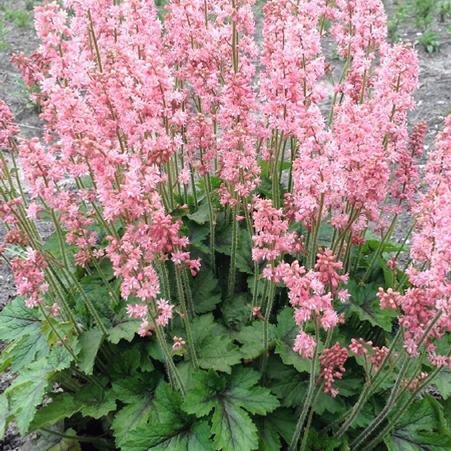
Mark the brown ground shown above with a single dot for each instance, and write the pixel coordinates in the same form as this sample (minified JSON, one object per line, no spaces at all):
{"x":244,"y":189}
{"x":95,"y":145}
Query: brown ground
{"x":433,"y":98}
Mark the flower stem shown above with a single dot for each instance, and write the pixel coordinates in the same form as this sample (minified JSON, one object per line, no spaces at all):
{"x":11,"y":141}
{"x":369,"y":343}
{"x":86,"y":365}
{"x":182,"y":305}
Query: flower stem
{"x":233,"y":249}
{"x":395,"y":390}
{"x":186,"y":318}
{"x":368,"y":389}
{"x":308,"y":398}
{"x":402,"y":409}
{"x":380,"y":249}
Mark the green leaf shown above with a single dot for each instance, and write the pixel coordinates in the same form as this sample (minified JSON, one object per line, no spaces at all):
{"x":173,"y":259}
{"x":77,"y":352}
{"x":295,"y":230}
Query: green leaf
{"x":215,"y":348}
{"x":197,"y":234}
{"x":244,"y":250}
{"x":131,"y":417}
{"x":327,"y":403}
{"x":96,"y":402}
{"x":67,"y":443}
{"x":443,"y":383}
{"x":201,"y":215}
{"x":233,"y":429}
{"x":206,"y":292}
{"x":26,"y":393}
{"x":4,"y":415}
{"x":130,"y":390}
{"x":90,"y":342}
{"x":283,"y":421}
{"x":124,"y":330}
{"x":52,"y":245}
{"x":372,"y":245}
{"x":62,"y":406}
{"x":236,"y":311}
{"x":200,"y":399}
{"x":268,"y":437}
{"x":289,"y":385}
{"x":94,"y":288}
{"x":422,"y":427}
{"x":130,"y":359}
{"x":230,"y":397}
{"x":59,"y":358}
{"x":365,"y":304}
{"x":17,"y":320}
{"x":323,"y":442}
{"x":169,"y":428}
{"x":286,"y":331}
{"x":251,"y":339}
{"x":23,"y":351}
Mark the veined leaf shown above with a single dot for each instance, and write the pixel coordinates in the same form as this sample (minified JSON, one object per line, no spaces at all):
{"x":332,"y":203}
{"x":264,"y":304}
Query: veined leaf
{"x":215,"y":348}
{"x":129,"y":390}
{"x":244,"y":250}
{"x":289,"y":385}
{"x":443,"y":382}
{"x":206,"y":292}
{"x":124,"y":330}
{"x":286,"y":331}
{"x":131,"y":417}
{"x":96,"y":402}
{"x":169,"y":428}
{"x":365,"y":305}
{"x":26,"y":393}
{"x":62,"y":406}
{"x":422,"y":427}
{"x":201,"y":215}
{"x":90,"y":342}
{"x":17,"y":320}
{"x":233,"y":429}
{"x":23,"y":351}
{"x":230,"y":398}
{"x":251,"y":339}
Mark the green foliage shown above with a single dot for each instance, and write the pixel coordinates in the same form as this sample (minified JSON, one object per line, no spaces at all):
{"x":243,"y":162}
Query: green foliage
{"x":423,"y":426}
{"x":4,"y":44}
{"x":241,"y":397}
{"x":19,"y":17}
{"x":429,"y":40}
{"x":90,"y":342}
{"x":231,"y":399}
{"x":18,"y":321}
{"x":92,"y":372}
{"x":216,"y":349}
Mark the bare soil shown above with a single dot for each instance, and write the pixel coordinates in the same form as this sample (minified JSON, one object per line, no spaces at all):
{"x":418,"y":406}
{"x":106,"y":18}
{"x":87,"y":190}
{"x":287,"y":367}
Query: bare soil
{"x":433,"y":100}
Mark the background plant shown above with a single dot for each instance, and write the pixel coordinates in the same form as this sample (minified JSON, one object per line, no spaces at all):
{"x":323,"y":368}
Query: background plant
{"x":428,"y":14}
{"x":243,"y":232}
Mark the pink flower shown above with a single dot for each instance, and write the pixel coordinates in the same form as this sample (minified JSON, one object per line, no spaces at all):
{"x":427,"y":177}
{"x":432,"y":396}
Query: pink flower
{"x":272,"y":238}
{"x":145,"y":329}
{"x":360,"y":347}
{"x":55,"y":310}
{"x":164,"y":312}
{"x":304,"y":345}
{"x":30,"y":277}
{"x":137,"y":311}
{"x":7,"y":127}
{"x":389,"y":299}
{"x":332,"y":362}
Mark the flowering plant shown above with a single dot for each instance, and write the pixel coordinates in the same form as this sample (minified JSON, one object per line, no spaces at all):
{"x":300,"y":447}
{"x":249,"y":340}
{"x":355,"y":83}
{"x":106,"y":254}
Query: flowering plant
{"x":222,"y":273}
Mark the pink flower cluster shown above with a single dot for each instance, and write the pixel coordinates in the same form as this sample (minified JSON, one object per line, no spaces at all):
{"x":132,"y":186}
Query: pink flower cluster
{"x":375,"y":354}
{"x":272,"y":238}
{"x":30,"y":277}
{"x":426,"y":305}
{"x":332,"y":362}
{"x":311,"y":294}
{"x":138,"y":110}
{"x":8,"y":129}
